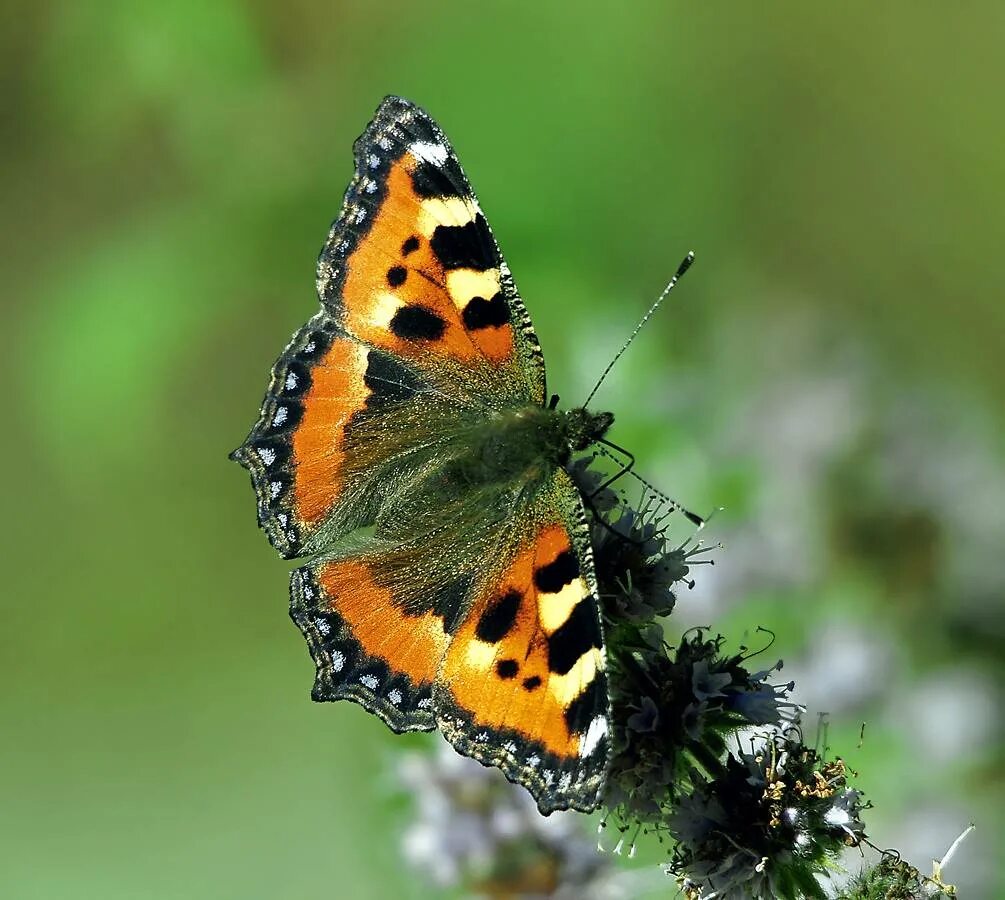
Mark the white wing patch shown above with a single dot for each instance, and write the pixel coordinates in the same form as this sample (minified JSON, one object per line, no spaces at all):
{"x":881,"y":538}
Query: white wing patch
{"x":428,"y":152}
{"x":594,"y":734}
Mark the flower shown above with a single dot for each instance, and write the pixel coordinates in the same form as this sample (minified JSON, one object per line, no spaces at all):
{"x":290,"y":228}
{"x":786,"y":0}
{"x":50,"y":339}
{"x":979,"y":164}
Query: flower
{"x":673,"y":710}
{"x":474,"y":830}
{"x":767,"y":824}
{"x":636,"y":569}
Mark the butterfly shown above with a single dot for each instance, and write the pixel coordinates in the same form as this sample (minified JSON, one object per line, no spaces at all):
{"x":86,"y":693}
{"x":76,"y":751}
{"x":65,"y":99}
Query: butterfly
{"x":406,"y":447}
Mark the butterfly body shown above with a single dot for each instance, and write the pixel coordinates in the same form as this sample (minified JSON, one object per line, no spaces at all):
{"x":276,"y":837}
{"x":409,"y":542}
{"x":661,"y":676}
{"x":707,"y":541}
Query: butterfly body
{"x":523,"y":446}
{"x":406,"y":448}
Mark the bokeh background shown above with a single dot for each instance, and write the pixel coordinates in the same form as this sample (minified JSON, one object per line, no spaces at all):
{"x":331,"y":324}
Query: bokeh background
{"x":832,"y":371}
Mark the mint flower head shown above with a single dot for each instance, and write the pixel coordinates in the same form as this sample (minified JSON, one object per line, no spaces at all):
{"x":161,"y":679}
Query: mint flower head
{"x":771,"y":822}
{"x":674,"y":710}
{"x":471,"y":830}
{"x":637,"y":567}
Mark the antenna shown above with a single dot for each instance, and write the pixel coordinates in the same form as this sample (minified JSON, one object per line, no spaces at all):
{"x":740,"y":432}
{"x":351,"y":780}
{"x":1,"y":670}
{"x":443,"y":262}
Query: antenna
{"x":681,"y":269}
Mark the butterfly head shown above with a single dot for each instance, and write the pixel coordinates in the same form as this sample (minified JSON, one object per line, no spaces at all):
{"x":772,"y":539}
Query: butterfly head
{"x":583,"y":428}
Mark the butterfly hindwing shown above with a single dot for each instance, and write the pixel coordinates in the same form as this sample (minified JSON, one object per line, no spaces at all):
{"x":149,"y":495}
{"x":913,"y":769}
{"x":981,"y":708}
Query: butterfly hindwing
{"x":507,"y":659}
{"x":325,"y":387}
{"x":365,"y":646}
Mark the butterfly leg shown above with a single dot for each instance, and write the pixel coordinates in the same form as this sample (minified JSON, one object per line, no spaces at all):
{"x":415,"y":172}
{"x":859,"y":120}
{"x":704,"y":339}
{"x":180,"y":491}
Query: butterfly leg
{"x":624,"y":470}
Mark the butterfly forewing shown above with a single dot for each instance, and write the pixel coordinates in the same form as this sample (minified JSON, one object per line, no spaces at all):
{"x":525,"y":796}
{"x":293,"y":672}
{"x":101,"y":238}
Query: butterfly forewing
{"x":523,"y":685}
{"x":411,"y":265}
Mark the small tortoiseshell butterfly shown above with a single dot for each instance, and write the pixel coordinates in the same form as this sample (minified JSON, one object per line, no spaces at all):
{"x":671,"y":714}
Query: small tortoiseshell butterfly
{"x":406,"y":445}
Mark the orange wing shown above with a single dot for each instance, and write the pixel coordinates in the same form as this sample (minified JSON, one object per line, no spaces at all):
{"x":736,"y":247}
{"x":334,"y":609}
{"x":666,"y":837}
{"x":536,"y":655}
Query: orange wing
{"x":300,"y":451}
{"x":411,"y":265}
{"x":417,"y":303}
{"x":366,"y":647}
{"x":507,"y":661}
{"x":496,"y":637}
{"x":523,"y":685}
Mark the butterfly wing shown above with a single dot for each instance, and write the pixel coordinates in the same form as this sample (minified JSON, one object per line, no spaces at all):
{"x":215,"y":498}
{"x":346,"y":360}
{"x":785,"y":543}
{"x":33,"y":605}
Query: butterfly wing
{"x":411,"y":265}
{"x":495,"y":638}
{"x":418,"y":308}
{"x":522,"y":684}
{"x":367,"y":646}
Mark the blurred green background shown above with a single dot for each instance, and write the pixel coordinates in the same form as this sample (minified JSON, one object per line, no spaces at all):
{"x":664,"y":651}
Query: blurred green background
{"x":832,"y":371}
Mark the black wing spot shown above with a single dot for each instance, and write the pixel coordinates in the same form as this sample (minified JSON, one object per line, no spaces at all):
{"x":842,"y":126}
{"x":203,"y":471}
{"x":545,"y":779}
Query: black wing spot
{"x":532,"y":683}
{"x":498,"y":618}
{"x":416,"y":323}
{"x":410,"y":246}
{"x":507,"y":668}
{"x":396,"y":276}
{"x":481,"y":313}
{"x":467,"y":246}
{"x":586,"y":706}
{"x":447,"y":180}
{"x":550,"y":579}
{"x":574,"y":637}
